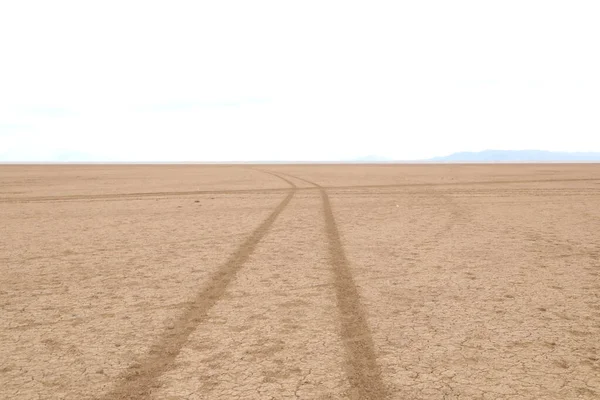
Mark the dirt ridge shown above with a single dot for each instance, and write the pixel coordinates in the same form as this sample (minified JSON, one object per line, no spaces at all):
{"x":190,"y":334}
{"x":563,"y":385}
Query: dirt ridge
{"x":141,"y":377}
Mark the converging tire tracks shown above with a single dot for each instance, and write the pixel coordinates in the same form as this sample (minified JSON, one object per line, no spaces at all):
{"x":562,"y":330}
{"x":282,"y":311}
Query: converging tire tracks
{"x":363,"y":371}
{"x":138,"y":381}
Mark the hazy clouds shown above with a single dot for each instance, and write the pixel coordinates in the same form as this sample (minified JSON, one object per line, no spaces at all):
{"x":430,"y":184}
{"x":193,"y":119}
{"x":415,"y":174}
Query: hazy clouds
{"x":132,"y":80}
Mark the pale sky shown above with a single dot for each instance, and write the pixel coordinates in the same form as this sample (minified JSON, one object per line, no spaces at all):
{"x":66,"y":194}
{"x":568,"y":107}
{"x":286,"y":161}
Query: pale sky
{"x":305,"y":80}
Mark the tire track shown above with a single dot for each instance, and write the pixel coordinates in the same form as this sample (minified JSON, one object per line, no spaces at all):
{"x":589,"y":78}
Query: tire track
{"x":141,"y":377}
{"x":135,"y":195}
{"x":141,"y":195}
{"x":364,"y":373}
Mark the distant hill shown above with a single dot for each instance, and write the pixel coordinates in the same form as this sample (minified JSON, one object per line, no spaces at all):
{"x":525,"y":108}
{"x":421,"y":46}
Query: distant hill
{"x":517,"y":155}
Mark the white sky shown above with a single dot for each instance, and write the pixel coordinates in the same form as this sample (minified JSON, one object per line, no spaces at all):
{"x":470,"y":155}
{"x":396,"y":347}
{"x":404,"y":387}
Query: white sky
{"x":305,"y":80}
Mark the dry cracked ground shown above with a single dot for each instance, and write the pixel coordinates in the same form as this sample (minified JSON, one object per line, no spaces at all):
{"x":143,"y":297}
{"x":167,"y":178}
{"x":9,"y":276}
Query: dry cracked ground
{"x":300,"y":281}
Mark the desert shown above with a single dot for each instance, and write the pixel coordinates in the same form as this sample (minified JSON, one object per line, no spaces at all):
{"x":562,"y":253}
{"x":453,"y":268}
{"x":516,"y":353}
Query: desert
{"x":288,"y":281}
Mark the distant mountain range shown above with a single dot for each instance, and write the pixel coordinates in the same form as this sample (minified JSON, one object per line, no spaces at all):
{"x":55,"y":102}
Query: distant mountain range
{"x":516,"y":155}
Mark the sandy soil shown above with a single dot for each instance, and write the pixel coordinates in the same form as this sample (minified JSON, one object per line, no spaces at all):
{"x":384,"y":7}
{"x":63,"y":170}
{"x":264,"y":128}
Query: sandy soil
{"x":300,"y":281}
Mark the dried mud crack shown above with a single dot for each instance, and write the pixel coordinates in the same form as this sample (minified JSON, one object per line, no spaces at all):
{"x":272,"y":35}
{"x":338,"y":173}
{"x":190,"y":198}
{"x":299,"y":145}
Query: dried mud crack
{"x":141,"y":377}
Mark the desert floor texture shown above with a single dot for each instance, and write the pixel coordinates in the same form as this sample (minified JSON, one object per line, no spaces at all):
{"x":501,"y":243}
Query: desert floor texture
{"x":300,"y":281}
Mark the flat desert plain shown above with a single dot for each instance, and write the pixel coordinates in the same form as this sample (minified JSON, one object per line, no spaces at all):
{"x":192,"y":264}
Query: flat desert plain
{"x":300,"y":281}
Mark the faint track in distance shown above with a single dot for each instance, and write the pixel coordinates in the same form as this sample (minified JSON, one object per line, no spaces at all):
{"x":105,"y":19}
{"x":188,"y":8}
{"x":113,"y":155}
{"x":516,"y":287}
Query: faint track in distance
{"x":142,"y":195}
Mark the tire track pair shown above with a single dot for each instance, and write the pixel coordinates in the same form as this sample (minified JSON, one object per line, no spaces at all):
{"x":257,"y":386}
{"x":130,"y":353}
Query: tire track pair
{"x":363,"y":371}
{"x":141,"y":377}
{"x":364,"y":375}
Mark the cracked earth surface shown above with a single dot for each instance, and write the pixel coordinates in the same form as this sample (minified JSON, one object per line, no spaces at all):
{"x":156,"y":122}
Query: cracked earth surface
{"x":289,"y":281}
